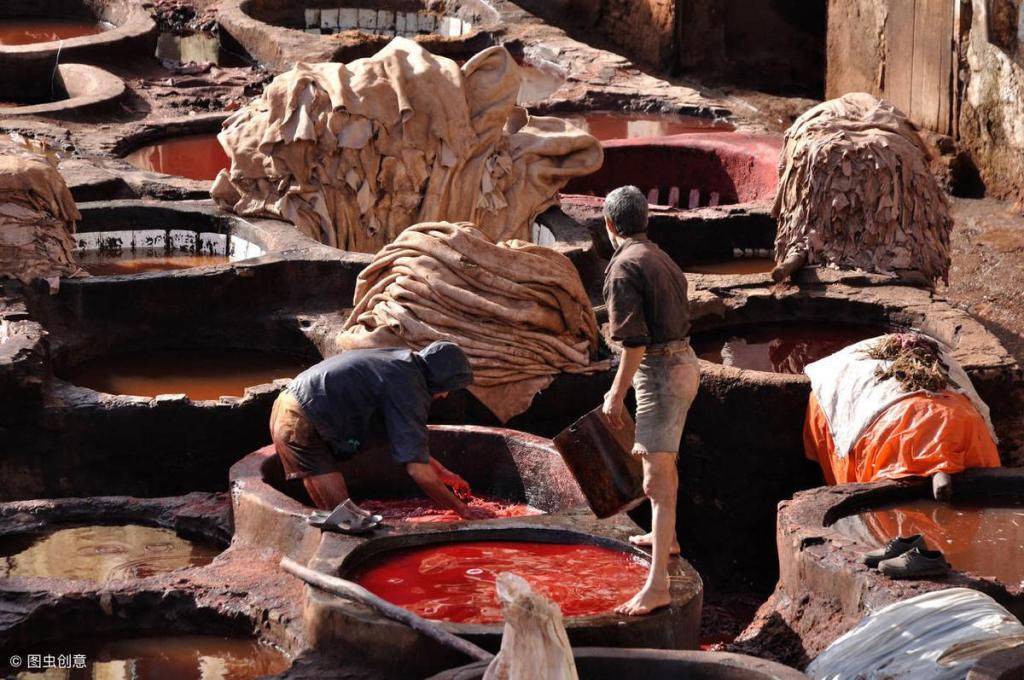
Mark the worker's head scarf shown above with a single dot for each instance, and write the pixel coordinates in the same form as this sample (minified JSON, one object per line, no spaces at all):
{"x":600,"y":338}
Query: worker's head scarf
{"x":446,"y":367}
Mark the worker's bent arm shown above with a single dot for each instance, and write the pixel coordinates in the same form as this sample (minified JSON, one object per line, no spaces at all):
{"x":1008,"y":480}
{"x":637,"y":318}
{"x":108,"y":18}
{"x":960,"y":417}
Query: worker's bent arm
{"x":631,"y":358}
{"x":613,"y":401}
{"x":426,"y":478}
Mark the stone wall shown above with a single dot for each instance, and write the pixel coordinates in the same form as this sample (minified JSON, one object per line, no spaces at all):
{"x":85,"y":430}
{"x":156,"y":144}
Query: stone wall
{"x":773,"y":46}
{"x":642,"y":30}
{"x":992,"y":108}
{"x":645,"y":27}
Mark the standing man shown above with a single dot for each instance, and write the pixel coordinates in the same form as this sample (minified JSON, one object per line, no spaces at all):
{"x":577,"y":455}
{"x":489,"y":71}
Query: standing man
{"x":324,"y":416}
{"x":648,"y":314}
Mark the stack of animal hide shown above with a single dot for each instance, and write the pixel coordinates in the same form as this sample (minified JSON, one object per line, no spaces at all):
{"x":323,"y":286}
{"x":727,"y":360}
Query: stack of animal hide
{"x":354,"y":153}
{"x":855,"y":191}
{"x":37,"y":215}
{"x":518,"y":310}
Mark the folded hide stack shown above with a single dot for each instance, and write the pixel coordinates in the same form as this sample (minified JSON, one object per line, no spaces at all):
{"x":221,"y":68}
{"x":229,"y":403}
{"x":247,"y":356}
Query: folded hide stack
{"x":855,"y":191}
{"x":37,"y":215}
{"x":518,"y":310}
{"x":354,"y":153}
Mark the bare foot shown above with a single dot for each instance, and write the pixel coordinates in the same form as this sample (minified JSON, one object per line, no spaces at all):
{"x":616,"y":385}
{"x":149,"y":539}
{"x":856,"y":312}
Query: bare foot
{"x":645,"y":602}
{"x":647,"y":540}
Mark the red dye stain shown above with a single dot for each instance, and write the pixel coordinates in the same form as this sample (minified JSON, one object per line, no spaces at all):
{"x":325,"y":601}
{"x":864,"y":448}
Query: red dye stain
{"x":455,"y":582}
{"x":424,"y":510}
{"x":198,"y":157}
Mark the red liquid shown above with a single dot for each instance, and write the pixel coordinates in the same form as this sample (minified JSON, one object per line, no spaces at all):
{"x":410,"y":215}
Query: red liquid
{"x":736,"y":265}
{"x":171,"y":657}
{"x":777,"y":347}
{"x":107,"y":265}
{"x":422,"y":510}
{"x":198,"y":157}
{"x":199,"y":373}
{"x":984,"y":540}
{"x":455,"y":582}
{"x":28,"y":31}
{"x":609,"y":125}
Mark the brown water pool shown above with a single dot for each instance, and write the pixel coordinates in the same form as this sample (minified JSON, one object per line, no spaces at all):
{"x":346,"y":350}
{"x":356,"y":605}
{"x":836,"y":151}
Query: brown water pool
{"x":732,"y":265}
{"x":984,"y":538}
{"x":199,"y":373}
{"x":128,"y":262}
{"x":37,"y":30}
{"x":607,"y":125}
{"x":779,"y":347}
{"x":178,"y":657}
{"x":100,"y":553}
{"x":198,"y":157}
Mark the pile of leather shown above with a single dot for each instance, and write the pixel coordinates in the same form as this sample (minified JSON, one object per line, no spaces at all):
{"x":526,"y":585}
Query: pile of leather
{"x":519,"y":311}
{"x":354,"y":153}
{"x":855,"y":191}
{"x":37,"y":214}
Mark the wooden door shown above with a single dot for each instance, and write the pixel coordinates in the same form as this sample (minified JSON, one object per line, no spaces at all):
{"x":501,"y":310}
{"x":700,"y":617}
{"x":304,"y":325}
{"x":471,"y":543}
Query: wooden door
{"x":919,"y":65}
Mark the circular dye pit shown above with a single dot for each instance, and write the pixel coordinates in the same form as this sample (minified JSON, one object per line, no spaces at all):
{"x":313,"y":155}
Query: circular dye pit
{"x":198,"y":157}
{"x":605,"y":125}
{"x":456,"y":582}
{"x":127,"y":262}
{"x":100,"y":553}
{"x":423,"y":510}
{"x":985,"y":539}
{"x":39,"y":30}
{"x":731,"y":266}
{"x":198,"y":373}
{"x":685,"y":171}
{"x":179,"y":657}
{"x":779,"y":347}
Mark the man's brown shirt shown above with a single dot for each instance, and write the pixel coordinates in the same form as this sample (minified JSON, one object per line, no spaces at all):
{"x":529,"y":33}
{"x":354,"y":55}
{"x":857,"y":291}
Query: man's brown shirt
{"x":645,"y":292}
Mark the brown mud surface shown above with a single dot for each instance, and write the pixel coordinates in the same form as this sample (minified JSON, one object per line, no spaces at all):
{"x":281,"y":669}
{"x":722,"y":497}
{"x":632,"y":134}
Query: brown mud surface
{"x":987,"y":281}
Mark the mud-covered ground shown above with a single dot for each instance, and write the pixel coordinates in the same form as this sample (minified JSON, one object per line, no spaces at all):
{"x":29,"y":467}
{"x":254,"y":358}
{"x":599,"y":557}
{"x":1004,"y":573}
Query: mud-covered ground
{"x":987,"y":280}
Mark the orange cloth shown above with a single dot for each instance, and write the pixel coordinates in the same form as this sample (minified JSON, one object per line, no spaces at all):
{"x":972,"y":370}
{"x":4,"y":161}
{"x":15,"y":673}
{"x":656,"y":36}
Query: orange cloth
{"x":915,"y":437}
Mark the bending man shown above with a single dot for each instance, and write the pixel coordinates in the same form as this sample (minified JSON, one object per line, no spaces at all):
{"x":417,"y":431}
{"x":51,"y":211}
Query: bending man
{"x":648,"y":314}
{"x":324,"y":416}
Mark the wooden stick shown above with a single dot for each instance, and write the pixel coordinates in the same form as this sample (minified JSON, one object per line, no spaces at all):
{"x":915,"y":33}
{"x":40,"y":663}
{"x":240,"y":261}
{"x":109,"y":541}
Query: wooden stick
{"x":353,"y":591}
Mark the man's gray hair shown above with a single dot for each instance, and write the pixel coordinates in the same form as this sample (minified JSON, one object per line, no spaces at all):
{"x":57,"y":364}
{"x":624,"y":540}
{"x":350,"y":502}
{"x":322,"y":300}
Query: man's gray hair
{"x":626,"y":208}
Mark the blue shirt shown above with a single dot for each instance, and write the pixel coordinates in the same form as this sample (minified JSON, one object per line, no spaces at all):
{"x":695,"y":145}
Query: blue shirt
{"x":340,"y":395}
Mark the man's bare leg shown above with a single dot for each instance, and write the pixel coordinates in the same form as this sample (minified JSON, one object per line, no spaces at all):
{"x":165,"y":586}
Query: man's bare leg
{"x":661,"y":482}
{"x":327,"y":491}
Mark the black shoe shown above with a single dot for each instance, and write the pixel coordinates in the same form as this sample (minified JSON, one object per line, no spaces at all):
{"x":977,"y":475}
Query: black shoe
{"x":915,"y":563}
{"x":894,"y":548}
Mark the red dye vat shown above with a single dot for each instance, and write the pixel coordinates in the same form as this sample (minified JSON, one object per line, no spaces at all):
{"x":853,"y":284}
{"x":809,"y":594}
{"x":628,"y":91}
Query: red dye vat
{"x":422,"y":510}
{"x":455,"y":582}
{"x":29,"y":31}
{"x":199,"y":157}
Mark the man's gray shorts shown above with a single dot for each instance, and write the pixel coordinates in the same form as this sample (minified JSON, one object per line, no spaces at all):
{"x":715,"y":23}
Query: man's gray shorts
{"x":666,"y":384}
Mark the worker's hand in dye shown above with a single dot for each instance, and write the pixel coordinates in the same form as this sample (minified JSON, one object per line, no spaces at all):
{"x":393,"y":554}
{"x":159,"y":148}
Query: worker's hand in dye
{"x":459,"y":486}
{"x":612,"y":410}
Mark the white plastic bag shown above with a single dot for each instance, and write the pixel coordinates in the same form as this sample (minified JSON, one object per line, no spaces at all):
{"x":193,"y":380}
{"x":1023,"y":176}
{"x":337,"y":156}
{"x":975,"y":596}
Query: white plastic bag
{"x":534,"y":645}
{"x":936,"y":636}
